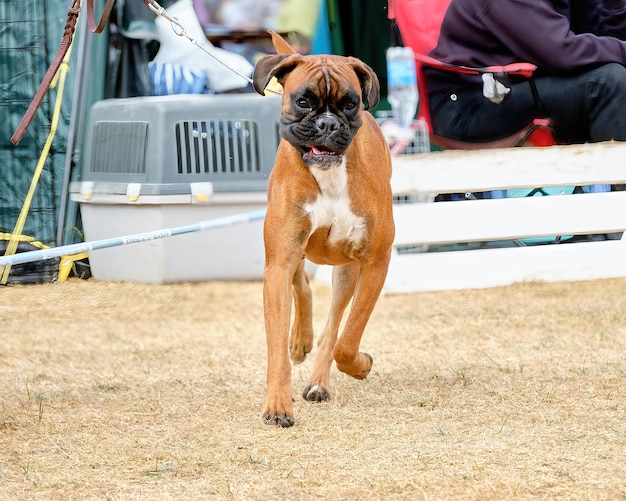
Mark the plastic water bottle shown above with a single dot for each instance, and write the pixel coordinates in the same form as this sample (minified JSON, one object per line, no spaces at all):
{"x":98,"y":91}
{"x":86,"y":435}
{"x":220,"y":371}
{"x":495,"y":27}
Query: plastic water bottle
{"x":402,"y":92}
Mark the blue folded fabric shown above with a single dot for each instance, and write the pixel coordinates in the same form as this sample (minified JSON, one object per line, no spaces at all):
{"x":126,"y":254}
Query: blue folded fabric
{"x":168,"y":78}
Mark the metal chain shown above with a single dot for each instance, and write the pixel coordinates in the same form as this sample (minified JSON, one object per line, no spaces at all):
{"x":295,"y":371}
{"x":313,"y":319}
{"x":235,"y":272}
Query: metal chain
{"x":180,"y":31}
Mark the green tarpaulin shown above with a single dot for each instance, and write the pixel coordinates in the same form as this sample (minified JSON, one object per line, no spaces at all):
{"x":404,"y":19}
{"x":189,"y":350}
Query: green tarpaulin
{"x":30,"y":33}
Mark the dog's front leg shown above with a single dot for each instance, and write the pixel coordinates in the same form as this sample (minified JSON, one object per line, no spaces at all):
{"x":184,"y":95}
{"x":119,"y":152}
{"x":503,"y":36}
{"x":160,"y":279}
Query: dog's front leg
{"x":277,"y":296}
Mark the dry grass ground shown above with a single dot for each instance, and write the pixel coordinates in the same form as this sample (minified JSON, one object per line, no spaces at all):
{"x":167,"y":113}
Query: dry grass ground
{"x":127,"y":391}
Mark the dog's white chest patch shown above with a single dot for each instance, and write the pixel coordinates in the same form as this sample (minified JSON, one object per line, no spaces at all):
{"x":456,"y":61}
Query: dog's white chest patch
{"x":332,"y":206}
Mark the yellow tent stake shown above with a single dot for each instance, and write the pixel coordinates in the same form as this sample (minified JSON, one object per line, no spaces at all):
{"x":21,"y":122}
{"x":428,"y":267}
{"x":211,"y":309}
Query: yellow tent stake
{"x":65,"y":265}
{"x":21,"y":220}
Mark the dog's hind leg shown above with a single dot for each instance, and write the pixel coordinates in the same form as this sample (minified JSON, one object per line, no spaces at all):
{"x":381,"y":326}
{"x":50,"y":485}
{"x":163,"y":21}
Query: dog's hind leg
{"x":346,"y":351}
{"x":301,"y":339}
{"x":344,"y":282}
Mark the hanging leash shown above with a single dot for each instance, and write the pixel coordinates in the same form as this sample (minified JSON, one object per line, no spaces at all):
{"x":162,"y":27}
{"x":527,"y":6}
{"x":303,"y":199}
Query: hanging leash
{"x":68,"y":35}
{"x":21,"y":220}
{"x":106,"y":12}
{"x":66,"y":42}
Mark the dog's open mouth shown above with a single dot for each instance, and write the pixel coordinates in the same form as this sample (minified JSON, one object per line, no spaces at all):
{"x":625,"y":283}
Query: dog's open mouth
{"x":321,"y":154}
{"x":319,"y":151}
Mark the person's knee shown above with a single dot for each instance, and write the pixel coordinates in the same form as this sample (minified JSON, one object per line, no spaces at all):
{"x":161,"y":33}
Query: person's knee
{"x":611,"y":76}
{"x":606,"y":87}
{"x":607,"y":97}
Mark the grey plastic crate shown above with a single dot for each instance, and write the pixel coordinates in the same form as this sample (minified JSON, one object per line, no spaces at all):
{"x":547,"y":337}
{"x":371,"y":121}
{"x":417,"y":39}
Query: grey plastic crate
{"x":228,"y":140}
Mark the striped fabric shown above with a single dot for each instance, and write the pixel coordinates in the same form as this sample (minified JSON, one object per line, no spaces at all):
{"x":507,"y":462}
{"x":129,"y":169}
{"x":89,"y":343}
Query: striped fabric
{"x":170,"y":78}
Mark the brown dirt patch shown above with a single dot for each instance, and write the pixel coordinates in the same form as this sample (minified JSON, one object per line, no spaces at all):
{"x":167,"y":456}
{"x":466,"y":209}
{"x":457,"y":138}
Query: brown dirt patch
{"x":129,"y":391}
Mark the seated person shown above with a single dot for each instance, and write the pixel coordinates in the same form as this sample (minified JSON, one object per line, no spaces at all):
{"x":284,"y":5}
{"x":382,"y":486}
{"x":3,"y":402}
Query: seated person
{"x":581,"y":77}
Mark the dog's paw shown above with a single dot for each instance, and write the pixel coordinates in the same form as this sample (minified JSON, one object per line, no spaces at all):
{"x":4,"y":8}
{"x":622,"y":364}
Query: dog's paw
{"x":278,"y":410}
{"x":298,"y":352}
{"x":316,"y":393}
{"x":300,"y":343}
{"x":356,"y":370}
{"x":283,"y":420}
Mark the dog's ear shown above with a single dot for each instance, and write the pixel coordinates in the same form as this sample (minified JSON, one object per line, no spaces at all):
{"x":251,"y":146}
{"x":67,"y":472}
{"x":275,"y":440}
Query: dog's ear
{"x":370,"y":86}
{"x":275,"y":65}
{"x":280,"y":44}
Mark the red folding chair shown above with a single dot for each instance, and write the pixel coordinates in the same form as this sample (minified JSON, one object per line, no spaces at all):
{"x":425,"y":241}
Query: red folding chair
{"x":419,"y":22}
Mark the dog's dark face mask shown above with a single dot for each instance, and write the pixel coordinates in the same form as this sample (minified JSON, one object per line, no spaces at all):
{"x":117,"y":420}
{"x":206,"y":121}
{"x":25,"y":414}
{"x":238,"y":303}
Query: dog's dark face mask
{"x":321,"y":116}
{"x":321,"y":130}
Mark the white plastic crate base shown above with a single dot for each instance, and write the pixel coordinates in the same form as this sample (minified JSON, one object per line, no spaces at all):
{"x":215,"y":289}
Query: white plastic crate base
{"x":142,"y":159}
{"x":230,"y":253}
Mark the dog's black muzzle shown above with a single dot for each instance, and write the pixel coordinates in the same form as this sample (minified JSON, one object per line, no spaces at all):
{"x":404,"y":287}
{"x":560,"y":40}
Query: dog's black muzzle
{"x":321,"y":140}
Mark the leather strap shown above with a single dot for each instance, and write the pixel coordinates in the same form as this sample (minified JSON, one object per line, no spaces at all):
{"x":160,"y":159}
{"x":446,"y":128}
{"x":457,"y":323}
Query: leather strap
{"x":106,"y":12}
{"x":68,"y":35}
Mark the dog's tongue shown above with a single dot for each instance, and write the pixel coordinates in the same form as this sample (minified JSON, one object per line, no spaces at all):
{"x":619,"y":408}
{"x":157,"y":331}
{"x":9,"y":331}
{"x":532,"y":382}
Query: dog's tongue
{"x":321,"y":156}
{"x":319,"y":151}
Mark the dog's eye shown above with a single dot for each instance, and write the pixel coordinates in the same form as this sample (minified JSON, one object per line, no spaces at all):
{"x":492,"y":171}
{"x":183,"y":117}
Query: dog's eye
{"x":303,"y":103}
{"x":351,"y":107}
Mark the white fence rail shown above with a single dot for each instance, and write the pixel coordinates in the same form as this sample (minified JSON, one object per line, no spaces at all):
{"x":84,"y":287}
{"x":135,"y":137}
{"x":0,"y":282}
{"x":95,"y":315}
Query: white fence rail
{"x":476,"y":224}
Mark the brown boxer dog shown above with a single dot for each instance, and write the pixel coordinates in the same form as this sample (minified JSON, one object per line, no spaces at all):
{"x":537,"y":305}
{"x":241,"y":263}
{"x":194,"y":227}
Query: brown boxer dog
{"x":329,"y":200}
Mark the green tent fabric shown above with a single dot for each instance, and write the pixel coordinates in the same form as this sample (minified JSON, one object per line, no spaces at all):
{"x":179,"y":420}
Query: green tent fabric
{"x":334,"y":23}
{"x":29,"y":31}
{"x":362,"y":29}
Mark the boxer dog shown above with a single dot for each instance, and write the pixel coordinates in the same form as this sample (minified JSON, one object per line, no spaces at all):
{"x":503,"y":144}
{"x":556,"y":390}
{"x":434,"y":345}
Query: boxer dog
{"x":329,"y":200}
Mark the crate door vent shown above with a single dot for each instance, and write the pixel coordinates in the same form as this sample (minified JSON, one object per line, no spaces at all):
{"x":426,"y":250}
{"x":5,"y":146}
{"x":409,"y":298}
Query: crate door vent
{"x":119,"y":147}
{"x":220,"y":148}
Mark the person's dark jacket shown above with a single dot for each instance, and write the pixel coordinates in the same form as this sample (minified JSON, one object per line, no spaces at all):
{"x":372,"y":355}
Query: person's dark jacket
{"x":600,"y":17}
{"x":499,"y":32}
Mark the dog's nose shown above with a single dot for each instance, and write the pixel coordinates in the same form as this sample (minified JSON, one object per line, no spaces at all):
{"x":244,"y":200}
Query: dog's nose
{"x":327,"y":124}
